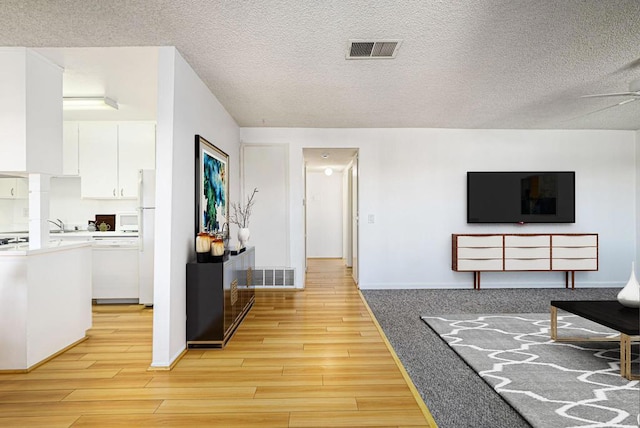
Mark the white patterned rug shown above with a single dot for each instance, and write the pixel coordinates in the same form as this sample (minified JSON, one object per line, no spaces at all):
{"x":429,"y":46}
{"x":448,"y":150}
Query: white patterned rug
{"x":550,"y":384}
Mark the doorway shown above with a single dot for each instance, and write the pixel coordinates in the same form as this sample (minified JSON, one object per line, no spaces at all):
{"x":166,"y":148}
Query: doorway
{"x":331,"y":205}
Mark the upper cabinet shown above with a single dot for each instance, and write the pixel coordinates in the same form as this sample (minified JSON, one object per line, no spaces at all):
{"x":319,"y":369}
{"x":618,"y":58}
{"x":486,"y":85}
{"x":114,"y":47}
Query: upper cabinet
{"x":14,"y":188}
{"x":136,"y":151}
{"x":110,"y":155}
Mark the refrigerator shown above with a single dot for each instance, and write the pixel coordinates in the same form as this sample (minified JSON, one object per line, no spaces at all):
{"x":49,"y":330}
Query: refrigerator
{"x":146,"y":231}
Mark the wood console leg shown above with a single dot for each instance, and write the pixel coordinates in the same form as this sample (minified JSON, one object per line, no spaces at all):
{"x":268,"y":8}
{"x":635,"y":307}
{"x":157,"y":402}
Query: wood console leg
{"x":573,"y":279}
{"x":554,"y":323}
{"x":476,"y":280}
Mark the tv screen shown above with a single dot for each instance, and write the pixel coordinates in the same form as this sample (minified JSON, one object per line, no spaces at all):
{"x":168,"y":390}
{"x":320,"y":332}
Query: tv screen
{"x":521,"y":197}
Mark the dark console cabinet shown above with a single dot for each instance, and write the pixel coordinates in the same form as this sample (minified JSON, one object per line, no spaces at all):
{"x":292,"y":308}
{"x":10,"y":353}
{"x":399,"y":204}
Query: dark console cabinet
{"x":219,"y":295}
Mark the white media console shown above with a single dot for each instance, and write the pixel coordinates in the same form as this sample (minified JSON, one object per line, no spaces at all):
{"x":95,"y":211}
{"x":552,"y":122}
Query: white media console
{"x":554,"y":252}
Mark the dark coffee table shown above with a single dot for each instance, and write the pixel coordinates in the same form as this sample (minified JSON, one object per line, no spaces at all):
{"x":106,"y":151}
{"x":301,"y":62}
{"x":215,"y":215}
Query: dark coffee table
{"x":609,"y":313}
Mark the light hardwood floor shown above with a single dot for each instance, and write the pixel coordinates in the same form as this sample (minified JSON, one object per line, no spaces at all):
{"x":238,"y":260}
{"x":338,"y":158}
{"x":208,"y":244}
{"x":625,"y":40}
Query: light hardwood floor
{"x":312,"y":358}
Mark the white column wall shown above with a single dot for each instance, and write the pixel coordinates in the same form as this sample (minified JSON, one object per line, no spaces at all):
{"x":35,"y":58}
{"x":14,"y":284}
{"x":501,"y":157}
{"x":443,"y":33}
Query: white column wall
{"x":186,"y":107}
{"x":414,"y":182}
{"x":31,"y":112}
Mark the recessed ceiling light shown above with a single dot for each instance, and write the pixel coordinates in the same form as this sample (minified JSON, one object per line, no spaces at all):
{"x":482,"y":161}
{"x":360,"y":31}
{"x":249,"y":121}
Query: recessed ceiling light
{"x":324,"y":155}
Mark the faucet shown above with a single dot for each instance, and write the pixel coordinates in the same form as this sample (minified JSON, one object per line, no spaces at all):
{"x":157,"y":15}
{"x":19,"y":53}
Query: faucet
{"x":60,"y":224}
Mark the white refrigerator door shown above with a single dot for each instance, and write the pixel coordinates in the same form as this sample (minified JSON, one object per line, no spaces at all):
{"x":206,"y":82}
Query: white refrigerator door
{"x":146,"y":231}
{"x":145,"y":271}
{"x":147,"y":188}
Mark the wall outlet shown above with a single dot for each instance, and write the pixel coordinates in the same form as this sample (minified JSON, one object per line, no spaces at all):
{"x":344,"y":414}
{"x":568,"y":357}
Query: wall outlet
{"x":25,"y":212}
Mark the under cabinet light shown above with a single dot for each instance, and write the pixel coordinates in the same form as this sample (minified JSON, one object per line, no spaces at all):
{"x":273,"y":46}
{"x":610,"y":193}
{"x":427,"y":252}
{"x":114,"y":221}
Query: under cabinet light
{"x":89,"y":103}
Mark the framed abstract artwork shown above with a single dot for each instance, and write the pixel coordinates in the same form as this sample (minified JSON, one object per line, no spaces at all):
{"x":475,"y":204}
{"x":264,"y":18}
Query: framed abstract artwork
{"x":212,"y":187}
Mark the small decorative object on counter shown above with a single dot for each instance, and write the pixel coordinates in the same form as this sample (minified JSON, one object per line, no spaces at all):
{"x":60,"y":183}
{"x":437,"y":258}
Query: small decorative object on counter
{"x":203,"y":247}
{"x":103,"y":227}
{"x":240,"y":217}
{"x":218,"y":253}
{"x":91,"y":227}
{"x":217,"y":247}
{"x":243,"y":236}
{"x":629,"y":296}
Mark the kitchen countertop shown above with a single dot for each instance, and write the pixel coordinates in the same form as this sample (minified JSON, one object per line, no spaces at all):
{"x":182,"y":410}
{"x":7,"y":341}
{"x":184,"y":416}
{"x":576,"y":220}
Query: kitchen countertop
{"x":22,"y":249}
{"x":72,"y":233}
{"x":58,"y":241}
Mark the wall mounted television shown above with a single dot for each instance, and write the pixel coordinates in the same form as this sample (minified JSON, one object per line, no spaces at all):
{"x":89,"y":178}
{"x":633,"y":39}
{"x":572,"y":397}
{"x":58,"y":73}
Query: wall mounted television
{"x":521,"y":197}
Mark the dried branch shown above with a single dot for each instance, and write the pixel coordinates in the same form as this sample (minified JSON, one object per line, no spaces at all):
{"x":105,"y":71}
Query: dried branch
{"x":241,"y":214}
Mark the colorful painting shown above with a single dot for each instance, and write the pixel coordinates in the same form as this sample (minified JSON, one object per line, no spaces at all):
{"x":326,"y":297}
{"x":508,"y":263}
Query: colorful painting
{"x":212,"y":187}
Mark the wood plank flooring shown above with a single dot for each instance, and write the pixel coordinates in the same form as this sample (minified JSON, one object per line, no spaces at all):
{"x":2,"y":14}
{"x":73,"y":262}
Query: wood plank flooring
{"x":312,"y":358}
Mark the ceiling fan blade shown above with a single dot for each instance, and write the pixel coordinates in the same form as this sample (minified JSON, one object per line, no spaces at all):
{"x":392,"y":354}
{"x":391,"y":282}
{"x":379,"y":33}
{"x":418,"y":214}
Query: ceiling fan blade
{"x":604,"y":108}
{"x":614,"y":94}
{"x":629,"y":66}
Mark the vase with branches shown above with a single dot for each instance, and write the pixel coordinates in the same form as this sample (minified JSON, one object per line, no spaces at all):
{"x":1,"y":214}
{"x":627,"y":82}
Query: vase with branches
{"x":240,"y":215}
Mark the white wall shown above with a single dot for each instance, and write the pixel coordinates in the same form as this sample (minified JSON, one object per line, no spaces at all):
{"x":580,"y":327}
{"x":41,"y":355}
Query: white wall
{"x":414,"y":182}
{"x":185,"y":108}
{"x":269,"y":222}
{"x":324,"y":215}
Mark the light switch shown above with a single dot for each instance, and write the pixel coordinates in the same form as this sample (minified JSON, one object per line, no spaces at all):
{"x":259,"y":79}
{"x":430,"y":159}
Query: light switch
{"x":371,"y":218}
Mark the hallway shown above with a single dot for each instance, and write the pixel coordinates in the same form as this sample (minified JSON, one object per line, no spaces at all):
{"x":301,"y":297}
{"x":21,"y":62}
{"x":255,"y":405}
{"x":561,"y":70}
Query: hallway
{"x":312,"y":358}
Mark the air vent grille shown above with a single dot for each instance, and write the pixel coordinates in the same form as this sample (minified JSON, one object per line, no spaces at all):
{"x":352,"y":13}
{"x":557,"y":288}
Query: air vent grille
{"x":273,"y":277}
{"x":376,"y":49}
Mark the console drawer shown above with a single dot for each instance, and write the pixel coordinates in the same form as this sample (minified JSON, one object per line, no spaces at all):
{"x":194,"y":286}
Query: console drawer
{"x":574,"y":240}
{"x":527,"y":264}
{"x":527,"y":253}
{"x":527,"y":241}
{"x":575,"y":264}
{"x":479,"y":265}
{"x":480,"y":241}
{"x":575,"y":253}
{"x":480,"y":253}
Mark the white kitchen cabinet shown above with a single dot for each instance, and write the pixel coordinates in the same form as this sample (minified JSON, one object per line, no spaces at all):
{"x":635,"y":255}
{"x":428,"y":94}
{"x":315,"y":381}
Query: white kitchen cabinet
{"x":110,"y":155}
{"x":136,"y":151}
{"x":98,"y":160}
{"x":14,"y":188}
{"x":70,"y":148}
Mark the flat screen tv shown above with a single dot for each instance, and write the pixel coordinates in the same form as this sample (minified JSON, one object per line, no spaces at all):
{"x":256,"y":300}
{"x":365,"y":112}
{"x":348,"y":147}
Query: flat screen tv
{"x":521,"y":197}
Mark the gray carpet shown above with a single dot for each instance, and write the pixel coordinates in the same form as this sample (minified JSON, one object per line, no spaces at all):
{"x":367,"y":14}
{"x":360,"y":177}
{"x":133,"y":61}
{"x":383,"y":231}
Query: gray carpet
{"x":551,"y":384}
{"x":452,"y":391}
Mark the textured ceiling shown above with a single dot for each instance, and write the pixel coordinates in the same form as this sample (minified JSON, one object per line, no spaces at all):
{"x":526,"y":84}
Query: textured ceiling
{"x":462,"y":64}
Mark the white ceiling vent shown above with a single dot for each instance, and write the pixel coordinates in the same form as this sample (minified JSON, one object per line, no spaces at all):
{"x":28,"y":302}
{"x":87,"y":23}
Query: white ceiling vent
{"x":372,"y":49}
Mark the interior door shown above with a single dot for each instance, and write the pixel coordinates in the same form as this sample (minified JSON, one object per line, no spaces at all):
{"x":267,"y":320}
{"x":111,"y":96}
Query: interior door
{"x":354,"y":218}
{"x":304,"y":213}
{"x":348,"y":256}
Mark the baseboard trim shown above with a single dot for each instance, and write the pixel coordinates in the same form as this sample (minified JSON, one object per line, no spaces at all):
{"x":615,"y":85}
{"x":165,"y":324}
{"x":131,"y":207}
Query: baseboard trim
{"x":414,"y":391}
{"x":46,"y":360}
{"x":170,"y":366}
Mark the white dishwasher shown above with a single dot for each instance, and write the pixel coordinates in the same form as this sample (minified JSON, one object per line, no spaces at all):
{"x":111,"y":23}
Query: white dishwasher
{"x":115,"y":270}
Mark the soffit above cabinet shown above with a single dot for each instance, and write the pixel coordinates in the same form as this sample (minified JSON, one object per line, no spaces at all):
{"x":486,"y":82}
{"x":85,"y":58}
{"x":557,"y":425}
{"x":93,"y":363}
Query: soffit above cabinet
{"x":128,"y":75}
